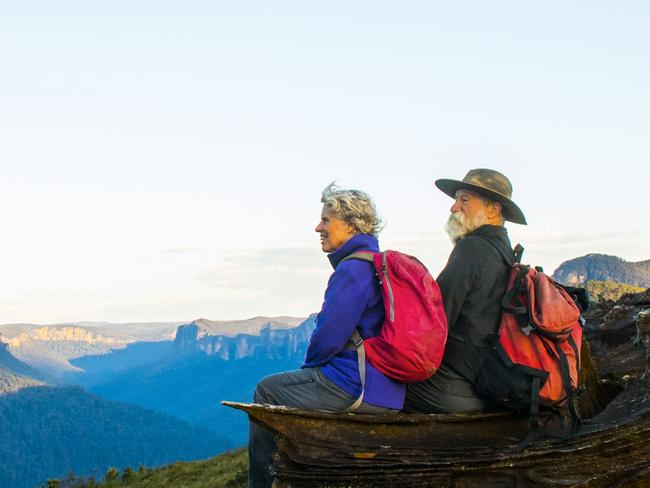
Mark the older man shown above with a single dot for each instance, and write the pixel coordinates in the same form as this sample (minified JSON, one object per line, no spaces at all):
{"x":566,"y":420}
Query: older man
{"x":472,"y":283}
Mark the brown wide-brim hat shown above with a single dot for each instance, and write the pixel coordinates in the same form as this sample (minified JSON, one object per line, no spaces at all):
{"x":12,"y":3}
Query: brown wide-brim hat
{"x":490,"y":184}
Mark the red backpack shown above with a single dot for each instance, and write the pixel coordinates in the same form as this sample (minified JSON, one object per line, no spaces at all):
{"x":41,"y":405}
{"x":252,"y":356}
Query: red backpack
{"x":550,"y":336}
{"x":412,"y":340}
{"x":535,"y":359}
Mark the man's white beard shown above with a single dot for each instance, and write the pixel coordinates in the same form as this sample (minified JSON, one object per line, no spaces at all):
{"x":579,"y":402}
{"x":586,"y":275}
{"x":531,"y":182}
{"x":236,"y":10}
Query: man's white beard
{"x":458,"y":225}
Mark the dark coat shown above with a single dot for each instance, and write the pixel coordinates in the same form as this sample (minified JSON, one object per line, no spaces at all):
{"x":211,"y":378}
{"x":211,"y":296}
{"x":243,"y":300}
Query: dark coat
{"x":473,"y":284}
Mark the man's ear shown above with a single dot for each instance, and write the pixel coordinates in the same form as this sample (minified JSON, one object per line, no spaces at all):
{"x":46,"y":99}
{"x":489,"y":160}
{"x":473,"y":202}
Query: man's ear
{"x":495,"y":209}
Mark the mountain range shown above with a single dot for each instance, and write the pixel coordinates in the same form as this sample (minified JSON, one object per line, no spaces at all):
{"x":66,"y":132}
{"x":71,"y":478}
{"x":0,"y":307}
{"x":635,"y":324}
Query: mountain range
{"x":11,"y":364}
{"x":201,"y":369}
{"x":50,"y":348}
{"x":50,"y":430}
{"x":146,"y":401}
{"x":601,"y":267}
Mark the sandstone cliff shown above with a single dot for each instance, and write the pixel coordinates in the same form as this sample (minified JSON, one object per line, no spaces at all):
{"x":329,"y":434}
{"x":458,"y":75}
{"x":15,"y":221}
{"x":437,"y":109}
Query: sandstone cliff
{"x":274,"y":339}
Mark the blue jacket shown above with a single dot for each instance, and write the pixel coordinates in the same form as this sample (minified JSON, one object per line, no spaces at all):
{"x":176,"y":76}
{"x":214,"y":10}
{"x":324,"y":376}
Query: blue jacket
{"x":352,"y":299}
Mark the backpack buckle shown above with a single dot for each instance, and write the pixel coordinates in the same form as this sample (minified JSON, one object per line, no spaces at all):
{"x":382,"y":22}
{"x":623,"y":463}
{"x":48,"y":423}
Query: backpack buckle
{"x":528,"y":329}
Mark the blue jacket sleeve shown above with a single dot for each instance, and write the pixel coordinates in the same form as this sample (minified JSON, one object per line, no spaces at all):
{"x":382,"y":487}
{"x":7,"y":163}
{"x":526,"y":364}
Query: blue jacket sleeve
{"x":346,"y":298}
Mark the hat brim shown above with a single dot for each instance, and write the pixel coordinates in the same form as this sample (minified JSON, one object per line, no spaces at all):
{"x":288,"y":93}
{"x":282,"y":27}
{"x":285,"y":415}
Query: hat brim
{"x":511,"y":212}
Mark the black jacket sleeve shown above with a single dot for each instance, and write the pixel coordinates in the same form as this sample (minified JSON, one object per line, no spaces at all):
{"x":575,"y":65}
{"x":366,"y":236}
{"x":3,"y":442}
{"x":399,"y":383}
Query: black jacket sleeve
{"x":458,"y":277}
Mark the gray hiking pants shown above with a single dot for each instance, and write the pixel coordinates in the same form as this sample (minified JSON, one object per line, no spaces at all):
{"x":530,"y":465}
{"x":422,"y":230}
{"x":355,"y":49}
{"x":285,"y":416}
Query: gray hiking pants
{"x":445,"y":392}
{"x":303,"y":388}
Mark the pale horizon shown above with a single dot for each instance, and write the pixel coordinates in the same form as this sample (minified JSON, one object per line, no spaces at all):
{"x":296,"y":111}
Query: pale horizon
{"x":164,"y":162}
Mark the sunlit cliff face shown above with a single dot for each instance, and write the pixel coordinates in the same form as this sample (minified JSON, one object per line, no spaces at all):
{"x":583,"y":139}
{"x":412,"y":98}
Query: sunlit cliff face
{"x":76,"y":334}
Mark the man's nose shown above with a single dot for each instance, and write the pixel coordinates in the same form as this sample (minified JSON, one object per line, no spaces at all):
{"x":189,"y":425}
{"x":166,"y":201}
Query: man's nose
{"x":455,"y":207}
{"x":319,"y":227}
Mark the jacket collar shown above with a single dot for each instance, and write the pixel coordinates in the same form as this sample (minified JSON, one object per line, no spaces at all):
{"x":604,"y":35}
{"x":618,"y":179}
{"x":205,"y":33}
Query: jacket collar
{"x":498,"y":236}
{"x":359,"y":242}
{"x":489,"y":230}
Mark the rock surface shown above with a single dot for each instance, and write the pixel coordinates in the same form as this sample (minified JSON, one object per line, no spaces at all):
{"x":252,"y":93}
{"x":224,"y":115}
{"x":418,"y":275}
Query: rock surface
{"x":602,"y":267}
{"x":476,"y":450}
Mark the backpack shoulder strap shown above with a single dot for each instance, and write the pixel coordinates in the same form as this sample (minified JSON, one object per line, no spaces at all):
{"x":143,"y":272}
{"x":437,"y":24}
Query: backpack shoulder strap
{"x":518,"y":253}
{"x":356,"y":342}
{"x":367,"y":256}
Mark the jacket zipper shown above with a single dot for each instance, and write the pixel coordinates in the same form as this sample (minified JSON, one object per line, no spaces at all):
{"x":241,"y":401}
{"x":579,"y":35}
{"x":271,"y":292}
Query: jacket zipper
{"x":384,"y":270}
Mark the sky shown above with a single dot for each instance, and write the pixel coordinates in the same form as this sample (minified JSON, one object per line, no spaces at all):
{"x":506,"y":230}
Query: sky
{"x":163,"y":161}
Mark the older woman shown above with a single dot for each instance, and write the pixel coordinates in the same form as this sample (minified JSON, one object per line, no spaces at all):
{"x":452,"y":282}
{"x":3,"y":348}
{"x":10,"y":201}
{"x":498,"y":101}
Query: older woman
{"x":329,"y":378}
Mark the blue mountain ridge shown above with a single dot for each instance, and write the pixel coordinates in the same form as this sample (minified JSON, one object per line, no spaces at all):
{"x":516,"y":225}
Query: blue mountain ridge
{"x":48,"y":431}
{"x":15,"y":366}
{"x":201,"y":370}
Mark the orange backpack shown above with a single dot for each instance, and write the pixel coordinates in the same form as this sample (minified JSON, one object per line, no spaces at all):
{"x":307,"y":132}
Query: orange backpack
{"x":535,"y":358}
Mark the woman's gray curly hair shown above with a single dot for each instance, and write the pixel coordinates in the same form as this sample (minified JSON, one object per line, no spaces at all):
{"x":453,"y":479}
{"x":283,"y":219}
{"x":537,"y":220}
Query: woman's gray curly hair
{"x":353,"y":207}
